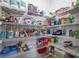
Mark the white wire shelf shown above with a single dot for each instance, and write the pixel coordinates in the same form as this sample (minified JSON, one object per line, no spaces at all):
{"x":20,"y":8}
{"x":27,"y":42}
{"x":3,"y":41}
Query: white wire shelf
{"x":67,"y":37}
{"x":57,"y":45}
{"x":31,"y":25}
{"x":71,"y":10}
{"x":64,"y":25}
{"x":26,"y":25}
{"x":37,"y":16}
{"x":35,"y":37}
{"x":11,"y":9}
{"x":28,"y":54}
{"x":25,"y":38}
{"x":15,"y":54}
{"x":68,"y":50}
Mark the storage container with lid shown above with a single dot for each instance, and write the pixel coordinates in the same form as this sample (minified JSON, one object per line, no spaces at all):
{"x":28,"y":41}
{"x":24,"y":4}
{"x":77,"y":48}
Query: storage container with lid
{"x":5,"y":3}
{"x":22,"y":5}
{"x":14,"y":3}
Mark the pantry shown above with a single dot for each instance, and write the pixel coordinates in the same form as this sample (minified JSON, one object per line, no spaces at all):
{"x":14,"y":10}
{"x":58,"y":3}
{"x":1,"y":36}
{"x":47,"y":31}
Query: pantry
{"x":39,"y":29}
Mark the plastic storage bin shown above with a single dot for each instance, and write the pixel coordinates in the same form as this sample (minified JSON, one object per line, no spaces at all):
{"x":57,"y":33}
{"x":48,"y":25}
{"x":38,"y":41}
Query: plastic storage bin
{"x":5,"y":2}
{"x":3,"y":34}
{"x":59,"y":53}
{"x":14,"y":3}
{"x":22,"y":5}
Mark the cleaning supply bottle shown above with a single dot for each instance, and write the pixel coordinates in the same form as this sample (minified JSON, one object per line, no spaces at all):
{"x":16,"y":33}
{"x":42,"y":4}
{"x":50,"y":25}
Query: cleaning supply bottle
{"x":17,"y":33}
{"x":69,"y":19}
{"x":48,"y":31}
{"x":56,"y":21}
{"x":54,"y":40}
{"x":62,"y":21}
{"x":70,"y":33}
{"x":49,"y":22}
{"x":77,"y":3}
{"x":3,"y":34}
{"x":10,"y":33}
{"x":76,"y":34}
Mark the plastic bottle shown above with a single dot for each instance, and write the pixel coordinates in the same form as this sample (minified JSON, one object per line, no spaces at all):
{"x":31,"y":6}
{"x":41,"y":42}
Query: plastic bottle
{"x":69,"y":19}
{"x":76,"y":34}
{"x":10,"y":33}
{"x":56,"y":22}
{"x":54,"y":40}
{"x":62,"y":21}
{"x":17,"y":33}
{"x":48,"y":31}
{"x":3,"y":34}
{"x":77,"y":2}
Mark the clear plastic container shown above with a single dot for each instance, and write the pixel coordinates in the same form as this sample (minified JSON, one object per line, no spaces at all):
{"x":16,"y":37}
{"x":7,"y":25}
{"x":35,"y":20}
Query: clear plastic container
{"x":14,"y":3}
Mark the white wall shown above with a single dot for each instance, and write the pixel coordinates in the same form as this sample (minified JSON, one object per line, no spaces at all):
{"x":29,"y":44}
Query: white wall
{"x":41,"y":4}
{"x":57,"y":4}
{"x":50,"y":5}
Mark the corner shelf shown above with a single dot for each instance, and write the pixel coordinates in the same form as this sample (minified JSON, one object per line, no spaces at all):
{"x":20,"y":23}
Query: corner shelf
{"x":68,"y":50}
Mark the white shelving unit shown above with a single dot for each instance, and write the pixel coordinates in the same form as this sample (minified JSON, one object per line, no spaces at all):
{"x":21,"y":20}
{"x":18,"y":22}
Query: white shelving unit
{"x":59,"y":46}
{"x":29,"y":53}
{"x":74,"y":52}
